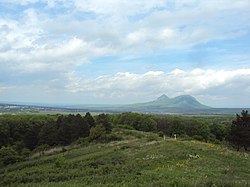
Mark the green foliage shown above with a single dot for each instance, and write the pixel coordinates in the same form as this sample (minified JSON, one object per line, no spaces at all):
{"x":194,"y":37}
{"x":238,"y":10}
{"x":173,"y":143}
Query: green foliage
{"x":123,"y":126}
{"x":202,"y":127}
{"x":240,"y":131}
{"x":147,"y":124}
{"x":8,"y":156}
{"x":103,"y":120}
{"x":82,"y":141}
{"x":48,"y":135}
{"x":90,"y":120}
{"x":41,"y":149}
{"x":60,"y":161}
{"x":152,"y":137}
{"x":220,"y":131}
{"x":28,"y":132}
{"x":111,"y":137}
{"x":22,"y":128}
{"x":25,"y":153}
{"x":70,"y":128}
{"x":97,"y":132}
{"x":134,"y":162}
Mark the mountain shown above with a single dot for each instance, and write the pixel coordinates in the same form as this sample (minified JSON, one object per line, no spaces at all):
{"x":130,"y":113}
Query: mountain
{"x":164,"y":104}
{"x":162,"y":98}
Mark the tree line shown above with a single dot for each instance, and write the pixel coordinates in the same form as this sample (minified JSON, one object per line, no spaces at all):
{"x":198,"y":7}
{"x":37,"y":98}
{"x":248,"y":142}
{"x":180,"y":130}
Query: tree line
{"x":20,"y":134}
{"x":170,"y":125}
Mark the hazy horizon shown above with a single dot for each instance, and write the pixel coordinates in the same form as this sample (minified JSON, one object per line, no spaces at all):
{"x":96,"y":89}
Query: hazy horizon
{"x":121,"y":52}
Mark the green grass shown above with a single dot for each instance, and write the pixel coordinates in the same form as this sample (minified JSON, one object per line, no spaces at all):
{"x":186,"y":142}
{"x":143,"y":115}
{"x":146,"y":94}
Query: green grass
{"x":140,"y":159}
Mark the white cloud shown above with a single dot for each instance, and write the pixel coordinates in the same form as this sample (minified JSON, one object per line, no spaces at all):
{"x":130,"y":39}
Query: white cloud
{"x":118,"y":7}
{"x":120,"y":28}
{"x":218,"y":88}
{"x":196,"y":82}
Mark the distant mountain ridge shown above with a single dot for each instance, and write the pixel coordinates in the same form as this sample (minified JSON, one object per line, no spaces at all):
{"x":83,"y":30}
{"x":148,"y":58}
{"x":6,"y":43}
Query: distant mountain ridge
{"x":179,"y":101}
{"x":179,"y":104}
{"x":183,"y":104}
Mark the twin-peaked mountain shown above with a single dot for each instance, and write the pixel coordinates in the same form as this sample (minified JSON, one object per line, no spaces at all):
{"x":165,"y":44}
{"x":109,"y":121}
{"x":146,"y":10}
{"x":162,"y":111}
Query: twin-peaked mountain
{"x":164,"y":104}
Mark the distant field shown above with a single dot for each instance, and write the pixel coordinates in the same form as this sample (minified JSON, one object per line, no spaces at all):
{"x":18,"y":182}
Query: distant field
{"x":140,"y":159}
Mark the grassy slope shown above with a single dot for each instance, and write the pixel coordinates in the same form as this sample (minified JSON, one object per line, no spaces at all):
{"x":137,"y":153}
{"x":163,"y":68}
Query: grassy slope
{"x":141,"y":159}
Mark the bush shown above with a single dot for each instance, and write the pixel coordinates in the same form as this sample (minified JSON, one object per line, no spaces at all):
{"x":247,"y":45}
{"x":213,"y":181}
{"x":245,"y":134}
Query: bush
{"x":25,"y":153}
{"x":151,"y":138}
{"x":82,"y":141}
{"x":161,"y":134}
{"x":198,"y":137}
{"x":8,"y":156}
{"x":111,"y":137}
{"x":123,"y":126}
{"x":185,"y":137}
{"x":96,"y":132}
{"x":60,"y":161}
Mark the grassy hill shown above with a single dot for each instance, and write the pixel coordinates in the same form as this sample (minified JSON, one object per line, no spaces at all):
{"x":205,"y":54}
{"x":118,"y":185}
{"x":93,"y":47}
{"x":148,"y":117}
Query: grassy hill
{"x":139,"y":159}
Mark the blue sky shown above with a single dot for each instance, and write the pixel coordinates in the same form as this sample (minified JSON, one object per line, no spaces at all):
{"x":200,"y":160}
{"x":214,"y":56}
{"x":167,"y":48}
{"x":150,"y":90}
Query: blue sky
{"x":118,"y":51}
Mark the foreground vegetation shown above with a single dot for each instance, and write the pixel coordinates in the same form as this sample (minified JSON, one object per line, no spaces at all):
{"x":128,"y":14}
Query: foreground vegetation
{"x":139,"y":159}
{"x":127,"y":149}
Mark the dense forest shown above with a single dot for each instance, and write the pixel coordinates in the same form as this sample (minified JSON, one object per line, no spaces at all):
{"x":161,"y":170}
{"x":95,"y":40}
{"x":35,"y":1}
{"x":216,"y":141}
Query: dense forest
{"x":20,"y":135}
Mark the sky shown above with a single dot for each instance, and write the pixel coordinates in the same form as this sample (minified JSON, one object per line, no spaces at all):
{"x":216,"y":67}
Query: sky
{"x":120,"y":51}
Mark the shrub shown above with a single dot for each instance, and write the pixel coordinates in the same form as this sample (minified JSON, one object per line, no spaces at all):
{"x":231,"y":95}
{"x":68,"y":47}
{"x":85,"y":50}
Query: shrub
{"x":82,"y":141}
{"x":198,"y":137}
{"x":111,"y":137}
{"x":96,"y":132}
{"x":152,"y":138}
{"x":8,"y":156}
{"x":59,"y":161}
{"x":121,"y":126}
{"x":161,"y":134}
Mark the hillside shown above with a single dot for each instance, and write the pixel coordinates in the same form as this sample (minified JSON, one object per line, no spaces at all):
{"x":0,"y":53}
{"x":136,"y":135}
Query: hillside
{"x":140,"y":159}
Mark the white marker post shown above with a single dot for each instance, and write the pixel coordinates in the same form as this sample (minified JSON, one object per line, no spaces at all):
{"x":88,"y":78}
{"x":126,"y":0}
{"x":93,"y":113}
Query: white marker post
{"x":175,"y":136}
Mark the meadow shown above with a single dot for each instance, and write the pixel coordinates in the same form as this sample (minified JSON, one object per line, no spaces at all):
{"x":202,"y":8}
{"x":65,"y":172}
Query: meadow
{"x":138,"y":159}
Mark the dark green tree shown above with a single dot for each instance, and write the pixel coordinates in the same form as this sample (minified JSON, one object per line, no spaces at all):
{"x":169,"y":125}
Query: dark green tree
{"x":239,"y":134}
{"x":31,"y":137}
{"x":103,"y":120}
{"x":48,"y":134}
{"x":4,"y":134}
{"x":64,"y":133}
{"x":147,"y":124}
{"x":79,"y":127}
{"x":131,"y":119}
{"x":163,"y":125}
{"x":90,"y":120}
